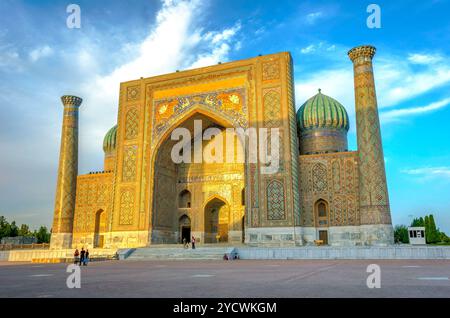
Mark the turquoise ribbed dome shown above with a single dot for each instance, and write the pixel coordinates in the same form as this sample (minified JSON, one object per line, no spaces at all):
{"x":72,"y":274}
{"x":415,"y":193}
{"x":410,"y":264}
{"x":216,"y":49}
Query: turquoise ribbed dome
{"x":322,"y":111}
{"x":109,"y":142}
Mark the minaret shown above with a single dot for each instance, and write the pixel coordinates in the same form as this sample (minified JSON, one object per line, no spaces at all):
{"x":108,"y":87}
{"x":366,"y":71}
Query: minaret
{"x":67,"y":175}
{"x":375,"y":212}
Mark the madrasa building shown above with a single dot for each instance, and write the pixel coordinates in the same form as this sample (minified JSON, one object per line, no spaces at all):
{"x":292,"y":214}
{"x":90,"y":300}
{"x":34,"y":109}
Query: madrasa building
{"x":320,"y":191}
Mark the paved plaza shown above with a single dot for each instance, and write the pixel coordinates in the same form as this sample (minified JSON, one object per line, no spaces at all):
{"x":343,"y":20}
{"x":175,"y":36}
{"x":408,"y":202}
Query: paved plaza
{"x":241,"y":278}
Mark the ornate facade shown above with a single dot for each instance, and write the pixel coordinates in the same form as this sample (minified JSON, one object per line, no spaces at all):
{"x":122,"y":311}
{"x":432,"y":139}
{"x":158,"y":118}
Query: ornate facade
{"x":320,"y":191}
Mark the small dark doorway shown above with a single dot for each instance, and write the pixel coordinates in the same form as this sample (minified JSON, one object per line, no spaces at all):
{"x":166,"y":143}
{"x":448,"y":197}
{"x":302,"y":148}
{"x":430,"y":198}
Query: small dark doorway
{"x":185,"y":228}
{"x":186,"y":233}
{"x":323,"y":236}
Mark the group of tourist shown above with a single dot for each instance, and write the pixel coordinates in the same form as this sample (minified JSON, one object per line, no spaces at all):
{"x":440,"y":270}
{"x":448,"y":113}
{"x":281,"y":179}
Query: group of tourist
{"x":81,"y":257}
{"x":186,"y":243}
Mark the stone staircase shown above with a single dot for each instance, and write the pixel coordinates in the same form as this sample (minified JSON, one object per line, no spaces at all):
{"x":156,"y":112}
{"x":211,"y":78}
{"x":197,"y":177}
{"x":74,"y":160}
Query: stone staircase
{"x":177,"y":252}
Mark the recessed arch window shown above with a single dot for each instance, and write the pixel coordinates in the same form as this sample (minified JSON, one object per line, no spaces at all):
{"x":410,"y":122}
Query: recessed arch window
{"x":184,"y":199}
{"x":321,"y":208}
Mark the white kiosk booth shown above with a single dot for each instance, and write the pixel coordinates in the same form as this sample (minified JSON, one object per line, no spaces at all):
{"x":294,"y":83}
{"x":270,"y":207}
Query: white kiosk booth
{"x":417,"y":235}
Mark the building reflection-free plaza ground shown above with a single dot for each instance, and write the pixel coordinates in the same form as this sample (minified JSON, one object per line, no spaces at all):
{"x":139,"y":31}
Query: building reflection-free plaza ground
{"x":242,"y":278}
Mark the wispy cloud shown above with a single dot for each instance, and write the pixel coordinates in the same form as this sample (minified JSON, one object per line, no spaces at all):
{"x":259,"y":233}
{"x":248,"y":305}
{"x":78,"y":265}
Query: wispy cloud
{"x":418,"y":58}
{"x":9,"y":58}
{"x":41,"y":52}
{"x":218,"y":37}
{"x":337,"y":83}
{"x":429,"y":172}
{"x":312,"y":17}
{"x":399,"y":81}
{"x":260,"y":31}
{"x":309,"y":49}
{"x":396,"y":79}
{"x":395,"y":114}
{"x":313,"y":48}
{"x":176,"y":41}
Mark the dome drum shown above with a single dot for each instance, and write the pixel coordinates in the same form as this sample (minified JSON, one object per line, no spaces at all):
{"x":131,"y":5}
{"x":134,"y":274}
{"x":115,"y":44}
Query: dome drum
{"x":323,"y":140}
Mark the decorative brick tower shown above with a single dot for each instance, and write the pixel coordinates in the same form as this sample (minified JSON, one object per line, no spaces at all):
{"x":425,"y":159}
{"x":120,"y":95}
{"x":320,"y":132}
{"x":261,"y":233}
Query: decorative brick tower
{"x":67,"y":175}
{"x":374,"y":199}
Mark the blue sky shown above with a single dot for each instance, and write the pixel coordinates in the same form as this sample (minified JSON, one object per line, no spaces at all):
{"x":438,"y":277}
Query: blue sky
{"x":41,"y":59}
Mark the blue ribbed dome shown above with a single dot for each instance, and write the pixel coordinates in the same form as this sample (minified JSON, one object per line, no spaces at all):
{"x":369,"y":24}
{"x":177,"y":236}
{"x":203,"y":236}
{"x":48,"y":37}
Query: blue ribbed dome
{"x":322,"y":111}
{"x":109,"y":142}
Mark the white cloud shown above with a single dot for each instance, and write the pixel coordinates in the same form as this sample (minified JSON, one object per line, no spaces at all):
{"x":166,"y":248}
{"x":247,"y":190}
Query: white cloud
{"x":417,"y":58}
{"x":176,"y":41}
{"x":260,"y":31}
{"x":225,"y":35}
{"x":312,"y":17}
{"x":218,"y":53}
{"x":429,"y":172}
{"x":397,"y":81}
{"x":40,"y":53}
{"x":9,"y":58}
{"x":309,"y":49}
{"x":337,"y":83}
{"x":312,"y":48}
{"x":395,"y":114}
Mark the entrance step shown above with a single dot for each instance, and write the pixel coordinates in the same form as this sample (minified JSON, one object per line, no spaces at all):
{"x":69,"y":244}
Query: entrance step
{"x":180,"y":253}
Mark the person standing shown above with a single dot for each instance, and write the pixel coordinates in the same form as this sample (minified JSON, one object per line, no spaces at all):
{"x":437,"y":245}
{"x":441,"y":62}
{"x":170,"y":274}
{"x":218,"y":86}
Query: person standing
{"x":193,"y":242}
{"x":86,"y":258}
{"x":82,"y":253}
{"x":75,"y":256}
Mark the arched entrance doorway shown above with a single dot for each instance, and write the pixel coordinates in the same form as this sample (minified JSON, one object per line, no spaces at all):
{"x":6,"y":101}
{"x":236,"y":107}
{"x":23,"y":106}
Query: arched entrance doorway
{"x":322,"y":219}
{"x":185,"y":229}
{"x":100,"y":228}
{"x":216,"y":221}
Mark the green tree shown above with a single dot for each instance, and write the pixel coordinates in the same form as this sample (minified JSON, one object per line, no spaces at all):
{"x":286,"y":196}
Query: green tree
{"x":42,"y":235}
{"x":434,"y":236}
{"x":401,"y":234}
{"x":4,"y":227}
{"x":443,"y":237}
{"x":427,"y":229}
{"x":446,"y":239}
{"x":25,"y":231}
{"x":13,"y":229}
{"x":418,"y":222}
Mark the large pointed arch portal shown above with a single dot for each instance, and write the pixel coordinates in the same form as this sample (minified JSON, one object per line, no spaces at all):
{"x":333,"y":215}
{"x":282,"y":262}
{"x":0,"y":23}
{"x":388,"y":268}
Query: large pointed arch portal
{"x":183,"y":189}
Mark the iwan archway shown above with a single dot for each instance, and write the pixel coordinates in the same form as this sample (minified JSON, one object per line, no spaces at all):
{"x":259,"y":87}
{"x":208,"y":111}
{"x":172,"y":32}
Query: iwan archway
{"x":201,"y":190}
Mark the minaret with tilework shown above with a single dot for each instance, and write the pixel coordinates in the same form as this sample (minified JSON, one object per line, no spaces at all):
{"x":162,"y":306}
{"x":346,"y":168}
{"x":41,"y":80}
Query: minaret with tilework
{"x":375,"y":215}
{"x":67,"y":175}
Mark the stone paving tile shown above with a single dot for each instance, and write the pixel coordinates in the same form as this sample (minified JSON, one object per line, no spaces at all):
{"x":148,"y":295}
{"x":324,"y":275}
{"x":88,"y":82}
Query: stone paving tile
{"x":242,"y":278}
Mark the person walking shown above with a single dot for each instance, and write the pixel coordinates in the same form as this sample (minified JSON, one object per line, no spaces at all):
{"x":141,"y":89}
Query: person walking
{"x":193,"y":242}
{"x":82,"y":253}
{"x":75,"y":256}
{"x":86,"y":258}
